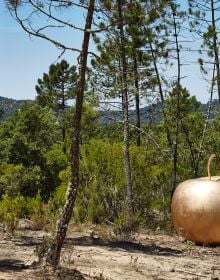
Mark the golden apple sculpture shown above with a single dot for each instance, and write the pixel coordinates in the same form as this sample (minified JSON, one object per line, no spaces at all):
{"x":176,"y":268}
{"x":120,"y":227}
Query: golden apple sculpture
{"x":195,"y":208}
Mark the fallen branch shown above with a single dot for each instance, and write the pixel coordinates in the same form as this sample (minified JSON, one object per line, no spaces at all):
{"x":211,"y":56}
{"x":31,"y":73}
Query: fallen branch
{"x":189,"y":272}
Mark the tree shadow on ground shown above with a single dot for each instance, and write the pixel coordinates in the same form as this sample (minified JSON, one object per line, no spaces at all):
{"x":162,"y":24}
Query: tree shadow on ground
{"x":11,"y":265}
{"x":61,"y":273}
{"x":120,"y":245}
{"x":128,"y":246}
{"x":28,"y":241}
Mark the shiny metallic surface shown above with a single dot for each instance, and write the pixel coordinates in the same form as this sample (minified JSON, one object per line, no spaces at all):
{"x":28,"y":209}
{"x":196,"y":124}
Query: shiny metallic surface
{"x":195,"y":210}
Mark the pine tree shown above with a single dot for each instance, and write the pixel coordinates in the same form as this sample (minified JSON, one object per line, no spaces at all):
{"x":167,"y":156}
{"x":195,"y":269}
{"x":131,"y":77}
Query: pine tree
{"x":56,"y":89}
{"x":53,"y":255}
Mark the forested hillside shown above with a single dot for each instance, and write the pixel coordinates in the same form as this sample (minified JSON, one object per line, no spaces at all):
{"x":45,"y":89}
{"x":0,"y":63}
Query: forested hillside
{"x":147,"y":113}
{"x":8,"y":106}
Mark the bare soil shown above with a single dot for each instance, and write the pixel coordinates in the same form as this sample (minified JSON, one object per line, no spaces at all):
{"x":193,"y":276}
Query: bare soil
{"x":94,"y":253}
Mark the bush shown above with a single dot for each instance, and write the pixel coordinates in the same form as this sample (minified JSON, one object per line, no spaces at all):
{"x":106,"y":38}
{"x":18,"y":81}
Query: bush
{"x":57,"y":199}
{"x":102,"y":189}
{"x":14,"y":208}
{"x":11,"y":178}
{"x":11,"y":209}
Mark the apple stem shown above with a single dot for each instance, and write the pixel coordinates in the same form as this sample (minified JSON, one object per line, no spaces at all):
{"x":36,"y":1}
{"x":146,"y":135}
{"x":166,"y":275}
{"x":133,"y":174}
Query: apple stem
{"x":213,"y":156}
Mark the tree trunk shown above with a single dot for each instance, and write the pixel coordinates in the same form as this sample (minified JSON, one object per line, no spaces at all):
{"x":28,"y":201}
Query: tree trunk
{"x":216,"y":49}
{"x":137,"y":95}
{"x":168,"y":134}
{"x":53,"y":254}
{"x":137,"y":100}
{"x":129,"y":197}
{"x":177,"y":115}
{"x":63,"y":119}
{"x":197,"y":161}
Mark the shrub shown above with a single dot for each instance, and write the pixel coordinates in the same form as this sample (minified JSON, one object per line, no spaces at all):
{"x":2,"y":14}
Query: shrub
{"x":11,"y":209}
{"x":14,"y":208}
{"x":11,"y":178}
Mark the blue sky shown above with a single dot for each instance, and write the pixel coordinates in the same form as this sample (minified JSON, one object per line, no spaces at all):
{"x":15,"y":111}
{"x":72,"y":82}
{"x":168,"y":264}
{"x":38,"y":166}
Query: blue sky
{"x":24,"y":60}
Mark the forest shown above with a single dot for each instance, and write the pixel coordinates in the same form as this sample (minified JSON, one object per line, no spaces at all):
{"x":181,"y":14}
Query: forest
{"x":83,"y":150}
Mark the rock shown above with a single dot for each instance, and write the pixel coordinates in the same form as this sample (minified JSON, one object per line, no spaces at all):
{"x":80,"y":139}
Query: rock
{"x":25,"y":224}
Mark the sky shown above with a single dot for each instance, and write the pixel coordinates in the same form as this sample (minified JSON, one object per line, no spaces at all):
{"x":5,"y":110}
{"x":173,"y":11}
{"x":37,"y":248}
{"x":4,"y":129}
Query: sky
{"x":24,"y":60}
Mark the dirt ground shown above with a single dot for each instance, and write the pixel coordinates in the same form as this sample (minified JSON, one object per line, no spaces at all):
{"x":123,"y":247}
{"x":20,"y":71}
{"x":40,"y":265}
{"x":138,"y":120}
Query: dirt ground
{"x":92,"y":253}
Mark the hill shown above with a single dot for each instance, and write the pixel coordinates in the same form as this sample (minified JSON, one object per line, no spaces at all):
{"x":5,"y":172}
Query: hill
{"x":8,"y":106}
{"x":150,"y":113}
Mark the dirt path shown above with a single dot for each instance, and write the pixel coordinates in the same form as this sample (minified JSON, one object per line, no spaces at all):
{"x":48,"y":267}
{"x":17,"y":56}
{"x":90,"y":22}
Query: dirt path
{"x":147,"y":256}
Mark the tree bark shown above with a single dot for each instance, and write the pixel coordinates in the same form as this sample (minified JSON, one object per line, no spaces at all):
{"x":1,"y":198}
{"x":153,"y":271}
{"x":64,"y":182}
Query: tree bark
{"x":63,"y":119}
{"x":197,"y":160}
{"x":137,"y":100}
{"x":54,"y":252}
{"x":168,"y":134}
{"x":137,"y":94}
{"x":216,"y":49}
{"x":177,"y":115}
{"x":129,"y":197}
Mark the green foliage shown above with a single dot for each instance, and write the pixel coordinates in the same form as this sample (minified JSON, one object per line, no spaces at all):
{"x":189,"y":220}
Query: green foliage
{"x":102,"y":180}
{"x":11,"y":209}
{"x":56,"y":90}
{"x":11,"y":178}
{"x":14,"y":208}
{"x":96,"y":211}
{"x":30,"y":131}
{"x":57,"y":199}
{"x":9,"y":106}
{"x":38,"y":212}
{"x":102,"y":184}
{"x":191,"y":125}
{"x":89,"y":124}
{"x":101,"y":195}
{"x":57,"y":87}
{"x":31,"y":139}
{"x":35,"y":168}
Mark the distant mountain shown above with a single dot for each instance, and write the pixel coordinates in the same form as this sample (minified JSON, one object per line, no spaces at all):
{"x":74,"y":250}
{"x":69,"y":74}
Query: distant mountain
{"x":150,"y":113}
{"x":8,"y":106}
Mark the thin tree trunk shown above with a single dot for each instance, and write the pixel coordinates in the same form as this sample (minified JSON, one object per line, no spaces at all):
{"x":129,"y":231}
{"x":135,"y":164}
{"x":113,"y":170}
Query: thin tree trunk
{"x":53,"y":254}
{"x":196,"y":170}
{"x":63,"y":119}
{"x":129,"y":197}
{"x":137,"y":95}
{"x":168,"y":134}
{"x":178,"y":89}
{"x":216,"y":49}
{"x":137,"y":100}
